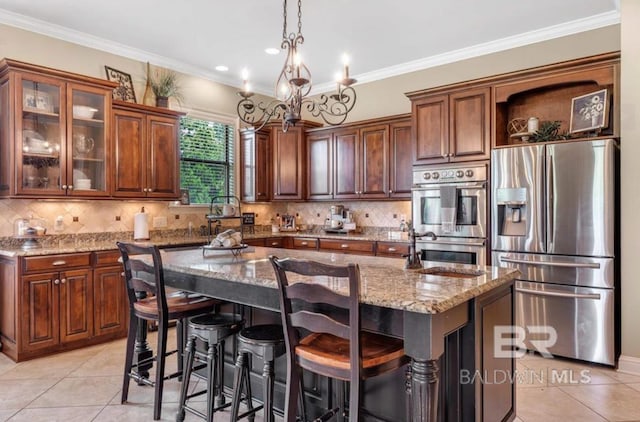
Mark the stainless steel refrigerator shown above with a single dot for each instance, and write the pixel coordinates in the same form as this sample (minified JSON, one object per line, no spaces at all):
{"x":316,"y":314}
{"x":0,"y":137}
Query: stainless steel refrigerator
{"x":554,"y":218}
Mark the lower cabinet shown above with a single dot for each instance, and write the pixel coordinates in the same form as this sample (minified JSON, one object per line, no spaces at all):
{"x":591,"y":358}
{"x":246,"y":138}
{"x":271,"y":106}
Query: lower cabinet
{"x":63,"y":302}
{"x":58,"y":308}
{"x":359,"y":247}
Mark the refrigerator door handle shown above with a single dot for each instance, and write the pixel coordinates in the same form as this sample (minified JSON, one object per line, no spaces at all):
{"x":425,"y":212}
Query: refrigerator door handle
{"x":550,"y":201}
{"x":594,"y":296}
{"x":593,"y":265}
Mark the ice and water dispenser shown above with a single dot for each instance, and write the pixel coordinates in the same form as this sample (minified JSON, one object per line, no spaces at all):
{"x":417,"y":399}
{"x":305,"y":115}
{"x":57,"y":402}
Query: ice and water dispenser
{"x":512,"y":211}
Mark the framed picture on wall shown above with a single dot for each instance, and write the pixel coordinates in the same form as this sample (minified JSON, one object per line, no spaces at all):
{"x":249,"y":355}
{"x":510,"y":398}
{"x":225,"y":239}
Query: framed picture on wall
{"x":589,"y":112}
{"x":125,"y":91}
{"x":184,"y":197}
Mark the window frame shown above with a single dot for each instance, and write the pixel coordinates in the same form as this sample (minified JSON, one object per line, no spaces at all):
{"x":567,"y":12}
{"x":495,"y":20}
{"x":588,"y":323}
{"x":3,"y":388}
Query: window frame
{"x":231,"y":156}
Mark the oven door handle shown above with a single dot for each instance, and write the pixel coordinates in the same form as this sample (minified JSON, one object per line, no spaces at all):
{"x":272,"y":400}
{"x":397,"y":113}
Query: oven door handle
{"x":464,"y":185}
{"x":594,"y":265}
{"x":449,"y":242}
{"x":595,"y":296}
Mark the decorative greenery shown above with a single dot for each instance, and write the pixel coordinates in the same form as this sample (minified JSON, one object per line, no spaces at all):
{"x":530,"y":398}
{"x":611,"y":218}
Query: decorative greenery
{"x":166,"y":83}
{"x":548,"y":131}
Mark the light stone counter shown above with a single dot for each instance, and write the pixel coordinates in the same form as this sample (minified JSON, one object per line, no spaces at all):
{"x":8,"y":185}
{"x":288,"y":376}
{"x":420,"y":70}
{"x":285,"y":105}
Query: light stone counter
{"x":385,"y":282}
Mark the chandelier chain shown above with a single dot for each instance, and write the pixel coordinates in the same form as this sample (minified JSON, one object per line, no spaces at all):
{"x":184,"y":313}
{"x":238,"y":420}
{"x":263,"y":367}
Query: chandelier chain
{"x":284,"y":26}
{"x":300,"y":17}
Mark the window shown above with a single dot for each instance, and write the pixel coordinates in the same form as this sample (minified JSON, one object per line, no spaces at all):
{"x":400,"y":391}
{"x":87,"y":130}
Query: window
{"x":206,"y":158}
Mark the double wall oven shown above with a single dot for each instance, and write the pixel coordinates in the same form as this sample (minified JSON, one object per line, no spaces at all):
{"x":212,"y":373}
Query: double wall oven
{"x":464,"y":241}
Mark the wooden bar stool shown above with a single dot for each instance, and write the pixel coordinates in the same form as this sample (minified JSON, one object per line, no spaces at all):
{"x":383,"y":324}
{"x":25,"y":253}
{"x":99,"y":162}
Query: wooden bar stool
{"x":212,"y":330}
{"x":144,"y":274}
{"x":334,"y":346}
{"x":267,"y":343}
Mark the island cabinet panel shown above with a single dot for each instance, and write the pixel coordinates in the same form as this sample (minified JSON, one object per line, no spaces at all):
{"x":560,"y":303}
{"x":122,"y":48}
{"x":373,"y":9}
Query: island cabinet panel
{"x":8,"y":300}
{"x":145,"y":151}
{"x":452,"y":127}
{"x":110,"y":301}
{"x":400,"y":160}
{"x":392,"y":249}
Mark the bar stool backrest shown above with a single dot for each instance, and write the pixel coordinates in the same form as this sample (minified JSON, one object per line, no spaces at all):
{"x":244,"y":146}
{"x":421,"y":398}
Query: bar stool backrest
{"x":142,"y":276}
{"x":320,"y":318}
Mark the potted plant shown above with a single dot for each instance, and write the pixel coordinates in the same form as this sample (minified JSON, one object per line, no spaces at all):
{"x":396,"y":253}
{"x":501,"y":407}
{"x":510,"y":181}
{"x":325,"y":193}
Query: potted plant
{"x":165,"y":83}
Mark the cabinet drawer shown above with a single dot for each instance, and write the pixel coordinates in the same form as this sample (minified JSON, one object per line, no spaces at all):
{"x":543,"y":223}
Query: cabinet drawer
{"x":56,"y":262}
{"x":392,"y":249}
{"x":104,"y":258}
{"x":254,"y":242}
{"x":274,"y":242}
{"x":362,"y":247}
{"x":305,"y":243}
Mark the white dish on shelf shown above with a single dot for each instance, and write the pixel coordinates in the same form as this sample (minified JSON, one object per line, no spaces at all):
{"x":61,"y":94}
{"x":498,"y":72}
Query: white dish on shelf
{"x":84,"y":112}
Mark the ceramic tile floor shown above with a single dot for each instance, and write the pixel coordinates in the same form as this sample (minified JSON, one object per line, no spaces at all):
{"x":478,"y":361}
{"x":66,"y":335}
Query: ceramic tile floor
{"x":84,"y":385}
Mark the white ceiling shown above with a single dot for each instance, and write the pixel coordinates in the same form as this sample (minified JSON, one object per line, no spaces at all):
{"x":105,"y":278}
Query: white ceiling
{"x":383,"y":37}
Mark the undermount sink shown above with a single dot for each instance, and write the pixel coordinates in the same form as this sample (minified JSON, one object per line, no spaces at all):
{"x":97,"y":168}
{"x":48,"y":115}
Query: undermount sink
{"x":451,"y":272}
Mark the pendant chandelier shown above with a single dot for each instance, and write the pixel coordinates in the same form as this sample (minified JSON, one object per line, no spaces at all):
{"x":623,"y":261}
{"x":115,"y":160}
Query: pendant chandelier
{"x":292,"y":88}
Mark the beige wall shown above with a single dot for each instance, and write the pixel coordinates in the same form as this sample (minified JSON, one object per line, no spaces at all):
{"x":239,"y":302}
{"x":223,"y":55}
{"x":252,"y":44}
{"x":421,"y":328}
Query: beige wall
{"x":630,"y":188}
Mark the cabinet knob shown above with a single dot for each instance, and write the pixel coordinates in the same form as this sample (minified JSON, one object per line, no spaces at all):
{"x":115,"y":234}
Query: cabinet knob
{"x":391,"y":249}
{"x":344,"y":246}
{"x":70,"y":187}
{"x":445,"y":155}
{"x":149,"y":190}
{"x":274,"y":243}
{"x":390,"y":191}
{"x":260,"y":193}
{"x":64,"y":280}
{"x":64,"y":186}
{"x":56,"y":281}
{"x":304,"y":243}
{"x":144,"y":189}
{"x":58,"y":263}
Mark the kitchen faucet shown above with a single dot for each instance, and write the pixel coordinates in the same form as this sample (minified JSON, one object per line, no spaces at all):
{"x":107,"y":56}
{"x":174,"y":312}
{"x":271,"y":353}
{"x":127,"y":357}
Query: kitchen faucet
{"x":413,"y":258}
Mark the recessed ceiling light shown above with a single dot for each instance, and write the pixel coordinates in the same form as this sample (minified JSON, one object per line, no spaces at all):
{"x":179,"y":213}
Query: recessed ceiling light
{"x":271,"y":50}
{"x":222,"y":68}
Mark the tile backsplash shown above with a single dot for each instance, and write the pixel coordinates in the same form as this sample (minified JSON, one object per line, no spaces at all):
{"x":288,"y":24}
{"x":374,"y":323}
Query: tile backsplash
{"x":117,"y":216}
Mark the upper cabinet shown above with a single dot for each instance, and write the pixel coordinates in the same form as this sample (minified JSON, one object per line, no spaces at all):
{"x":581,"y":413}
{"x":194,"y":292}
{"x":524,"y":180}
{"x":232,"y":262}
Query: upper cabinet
{"x":255,"y":165}
{"x":145,"y":151}
{"x":547,"y":94}
{"x":54,"y":136}
{"x":368,"y":160}
{"x":451,"y":126}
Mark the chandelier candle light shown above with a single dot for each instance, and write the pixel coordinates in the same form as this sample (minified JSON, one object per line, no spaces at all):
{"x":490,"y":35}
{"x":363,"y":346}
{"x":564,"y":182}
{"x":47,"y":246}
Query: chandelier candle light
{"x":293,"y":87}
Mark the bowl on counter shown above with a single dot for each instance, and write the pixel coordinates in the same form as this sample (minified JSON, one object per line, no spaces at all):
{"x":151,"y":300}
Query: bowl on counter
{"x":84,"y":112}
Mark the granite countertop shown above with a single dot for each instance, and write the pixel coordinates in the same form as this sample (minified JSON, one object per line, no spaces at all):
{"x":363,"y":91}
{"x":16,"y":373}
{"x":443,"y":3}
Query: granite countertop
{"x":101,"y":242}
{"x":385,"y":282}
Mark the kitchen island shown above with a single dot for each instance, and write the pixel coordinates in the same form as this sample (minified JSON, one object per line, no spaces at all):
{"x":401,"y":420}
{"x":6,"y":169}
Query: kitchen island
{"x":445,"y":314}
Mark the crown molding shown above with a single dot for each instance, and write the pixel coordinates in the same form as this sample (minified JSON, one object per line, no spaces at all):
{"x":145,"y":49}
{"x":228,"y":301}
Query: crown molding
{"x":98,"y":43}
{"x":87,"y":40}
{"x":520,"y":40}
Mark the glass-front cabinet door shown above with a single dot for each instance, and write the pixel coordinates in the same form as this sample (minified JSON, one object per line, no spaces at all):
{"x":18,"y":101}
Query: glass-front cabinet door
{"x":87,"y":141}
{"x":62,"y":138}
{"x":40,"y":136}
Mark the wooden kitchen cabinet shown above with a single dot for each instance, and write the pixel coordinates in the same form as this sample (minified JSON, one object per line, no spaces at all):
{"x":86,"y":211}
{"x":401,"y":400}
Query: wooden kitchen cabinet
{"x":110,"y":300}
{"x":52,"y":303}
{"x":451,"y":127}
{"x":289,"y":162}
{"x":57,"y":306}
{"x":359,"y":247}
{"x":365,"y":160}
{"x":392,"y":249}
{"x":60,"y":142}
{"x":145,"y":151}
{"x":400,"y":159}
{"x":255,"y":165}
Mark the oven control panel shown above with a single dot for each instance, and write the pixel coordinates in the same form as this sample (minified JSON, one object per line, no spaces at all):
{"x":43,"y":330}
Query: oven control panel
{"x":428,"y":175}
